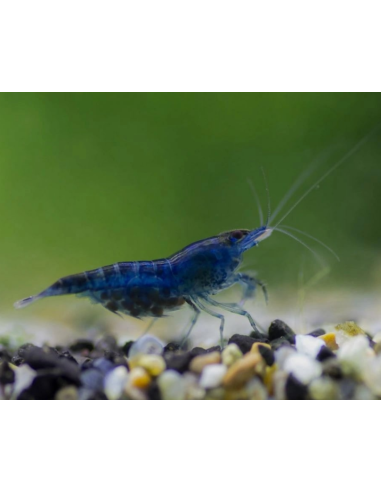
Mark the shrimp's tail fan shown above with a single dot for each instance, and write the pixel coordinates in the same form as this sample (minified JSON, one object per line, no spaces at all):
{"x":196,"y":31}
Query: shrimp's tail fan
{"x":26,"y":301}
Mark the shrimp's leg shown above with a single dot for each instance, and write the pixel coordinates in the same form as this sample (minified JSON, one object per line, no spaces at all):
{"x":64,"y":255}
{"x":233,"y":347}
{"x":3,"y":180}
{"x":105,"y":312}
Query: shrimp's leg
{"x":216,"y":315}
{"x":149,"y":326}
{"x":250,"y":284}
{"x":196,"y":314}
{"x":232,"y":308}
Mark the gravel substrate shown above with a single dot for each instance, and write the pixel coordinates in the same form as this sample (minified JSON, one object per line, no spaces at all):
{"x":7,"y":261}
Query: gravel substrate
{"x":342,"y":364}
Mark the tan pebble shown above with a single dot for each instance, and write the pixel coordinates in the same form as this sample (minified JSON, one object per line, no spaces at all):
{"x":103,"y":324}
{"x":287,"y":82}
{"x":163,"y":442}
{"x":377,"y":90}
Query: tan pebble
{"x":153,"y":364}
{"x":242,"y":370}
{"x":268,"y":379}
{"x":231,"y":354}
{"x":139,"y":377}
{"x":350,"y":328}
{"x":67,"y":393}
{"x":200,"y":361}
{"x":330,"y":341}
{"x":236,"y":394}
{"x":255,"y":347}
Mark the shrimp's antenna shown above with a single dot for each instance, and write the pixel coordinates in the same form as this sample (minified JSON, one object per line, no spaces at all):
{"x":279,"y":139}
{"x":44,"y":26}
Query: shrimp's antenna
{"x":314,"y":238}
{"x":294,"y":187}
{"x":318,"y":257}
{"x":333,"y":168}
{"x":259,"y":206}
{"x":268,"y":197}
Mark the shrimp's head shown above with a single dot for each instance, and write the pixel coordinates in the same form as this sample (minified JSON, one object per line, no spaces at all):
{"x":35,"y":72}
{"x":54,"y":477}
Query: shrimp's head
{"x":244,"y":239}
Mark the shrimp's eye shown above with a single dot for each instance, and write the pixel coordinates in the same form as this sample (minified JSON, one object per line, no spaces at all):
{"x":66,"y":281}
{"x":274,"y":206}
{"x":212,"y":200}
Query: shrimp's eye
{"x":237,"y":235}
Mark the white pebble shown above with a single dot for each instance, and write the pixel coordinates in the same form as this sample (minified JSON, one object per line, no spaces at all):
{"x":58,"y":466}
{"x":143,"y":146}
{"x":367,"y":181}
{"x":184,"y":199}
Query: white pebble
{"x":305,"y":344}
{"x":24,"y":376}
{"x":282,"y":354}
{"x":372,"y":375}
{"x":303,"y":367}
{"x":147,"y":344}
{"x":115,"y":382}
{"x":355,"y":353}
{"x":212,"y":376}
{"x":171,"y":385}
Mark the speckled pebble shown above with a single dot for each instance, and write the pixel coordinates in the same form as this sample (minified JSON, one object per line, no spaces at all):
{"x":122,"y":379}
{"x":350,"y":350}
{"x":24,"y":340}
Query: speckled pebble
{"x":231,"y":354}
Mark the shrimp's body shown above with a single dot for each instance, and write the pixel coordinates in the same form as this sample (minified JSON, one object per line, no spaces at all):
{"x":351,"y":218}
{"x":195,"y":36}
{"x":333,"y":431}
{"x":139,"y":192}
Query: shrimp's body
{"x":155,"y":288}
{"x":191,"y":276}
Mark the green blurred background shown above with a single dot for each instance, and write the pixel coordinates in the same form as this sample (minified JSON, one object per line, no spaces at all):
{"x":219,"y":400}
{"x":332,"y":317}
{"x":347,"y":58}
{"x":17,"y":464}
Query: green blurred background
{"x":91,"y":179}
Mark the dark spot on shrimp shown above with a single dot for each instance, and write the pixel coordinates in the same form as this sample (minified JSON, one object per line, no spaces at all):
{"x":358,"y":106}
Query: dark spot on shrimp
{"x":153,"y":294}
{"x":79,"y":280}
{"x":105,"y":295}
{"x":134,"y":292}
{"x":128,"y":305}
{"x":157,"y":310}
{"x":117,"y":295}
{"x":112,"y":306}
{"x":165,"y":292}
{"x":135,"y":312}
{"x":143,"y":302}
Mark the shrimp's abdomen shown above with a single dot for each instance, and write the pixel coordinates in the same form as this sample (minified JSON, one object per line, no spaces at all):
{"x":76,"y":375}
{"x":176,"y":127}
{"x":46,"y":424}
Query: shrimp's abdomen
{"x":138,"y":289}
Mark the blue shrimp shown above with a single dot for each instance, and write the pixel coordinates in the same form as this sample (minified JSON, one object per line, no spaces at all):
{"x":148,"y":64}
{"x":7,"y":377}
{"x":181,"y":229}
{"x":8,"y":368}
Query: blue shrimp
{"x":189,"y":277}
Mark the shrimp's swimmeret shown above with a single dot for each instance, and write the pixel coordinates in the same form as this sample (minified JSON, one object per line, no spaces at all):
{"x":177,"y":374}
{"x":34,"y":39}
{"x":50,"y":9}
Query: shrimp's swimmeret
{"x":191,"y":276}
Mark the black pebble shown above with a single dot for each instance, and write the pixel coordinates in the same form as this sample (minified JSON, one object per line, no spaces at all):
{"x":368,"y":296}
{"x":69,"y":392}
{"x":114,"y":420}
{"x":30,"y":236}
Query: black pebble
{"x":295,"y":390}
{"x":324,"y":353}
{"x":178,"y":361}
{"x":216,"y":348}
{"x":65,"y":354}
{"x":259,"y":336}
{"x":154,"y":391}
{"x":317,"y":333}
{"x":279,"y":342}
{"x":126,"y":347}
{"x":4,"y":354}
{"x":280,"y":329}
{"x":46,"y":359}
{"x":197,"y":351}
{"x":244,"y":342}
{"x":7,"y":375}
{"x":267,"y":354}
{"x":82,"y":344}
{"x":44,"y":386}
{"x":88,"y":394}
{"x":19,"y":357}
{"x":171,"y":347}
